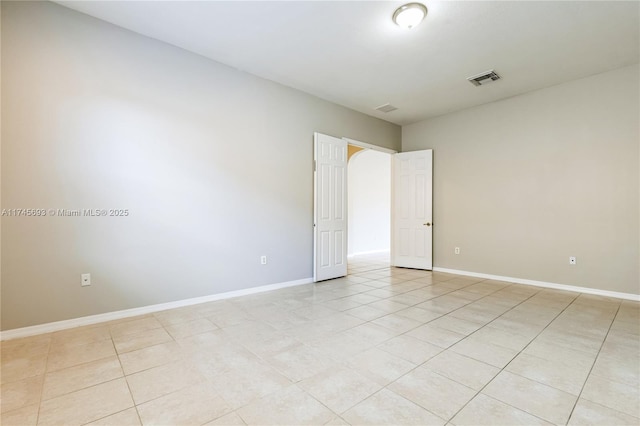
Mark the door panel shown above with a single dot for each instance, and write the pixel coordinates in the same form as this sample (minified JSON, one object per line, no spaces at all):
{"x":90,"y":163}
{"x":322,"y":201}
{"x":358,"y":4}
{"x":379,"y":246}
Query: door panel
{"x":412,"y":218}
{"x":330,"y":209}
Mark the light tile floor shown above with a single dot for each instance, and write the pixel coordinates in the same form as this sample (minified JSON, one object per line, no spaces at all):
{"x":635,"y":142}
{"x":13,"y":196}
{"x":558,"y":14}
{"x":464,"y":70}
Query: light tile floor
{"x":381,"y":346}
{"x":368,"y":262}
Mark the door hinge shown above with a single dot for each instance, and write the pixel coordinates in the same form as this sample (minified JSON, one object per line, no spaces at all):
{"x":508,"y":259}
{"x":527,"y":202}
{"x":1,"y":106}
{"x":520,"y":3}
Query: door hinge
{"x":314,"y":165}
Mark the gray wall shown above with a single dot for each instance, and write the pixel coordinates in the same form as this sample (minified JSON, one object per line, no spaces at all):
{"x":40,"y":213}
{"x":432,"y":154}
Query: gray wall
{"x":522,"y":184}
{"x":214,"y":165}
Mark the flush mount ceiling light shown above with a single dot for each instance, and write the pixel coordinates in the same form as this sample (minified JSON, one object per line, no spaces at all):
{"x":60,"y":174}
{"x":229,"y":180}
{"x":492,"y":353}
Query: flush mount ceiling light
{"x":409,"y":15}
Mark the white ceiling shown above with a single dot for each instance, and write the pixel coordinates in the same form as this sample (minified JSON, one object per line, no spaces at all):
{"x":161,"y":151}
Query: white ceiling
{"x":350,"y":52}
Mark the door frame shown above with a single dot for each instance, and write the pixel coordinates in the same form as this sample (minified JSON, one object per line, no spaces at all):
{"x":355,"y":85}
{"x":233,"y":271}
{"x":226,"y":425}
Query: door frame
{"x":369,"y":146}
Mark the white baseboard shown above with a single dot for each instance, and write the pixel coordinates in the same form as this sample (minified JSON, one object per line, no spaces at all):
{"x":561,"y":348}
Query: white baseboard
{"x":587,"y":290}
{"x":360,"y":253}
{"x":110,"y":316}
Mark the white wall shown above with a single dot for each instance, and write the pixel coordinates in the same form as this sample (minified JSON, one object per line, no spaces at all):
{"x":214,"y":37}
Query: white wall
{"x":214,"y":165}
{"x":522,"y":184}
{"x":369,"y":180}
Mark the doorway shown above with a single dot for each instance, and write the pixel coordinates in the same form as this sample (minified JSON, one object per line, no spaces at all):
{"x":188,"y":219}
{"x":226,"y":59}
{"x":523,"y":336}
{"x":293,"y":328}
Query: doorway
{"x":369,"y":209}
{"x":410,"y":207}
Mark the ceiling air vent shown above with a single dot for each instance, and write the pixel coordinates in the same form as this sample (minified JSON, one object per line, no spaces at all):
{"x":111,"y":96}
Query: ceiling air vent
{"x":386,"y":108}
{"x":484,"y":78}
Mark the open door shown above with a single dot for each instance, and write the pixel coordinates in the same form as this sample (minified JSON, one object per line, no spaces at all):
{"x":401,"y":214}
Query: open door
{"x":413,"y":210}
{"x":330,"y":207}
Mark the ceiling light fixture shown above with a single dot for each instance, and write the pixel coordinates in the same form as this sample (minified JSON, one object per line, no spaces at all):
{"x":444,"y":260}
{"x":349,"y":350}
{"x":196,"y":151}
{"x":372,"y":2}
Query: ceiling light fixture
{"x":409,"y":15}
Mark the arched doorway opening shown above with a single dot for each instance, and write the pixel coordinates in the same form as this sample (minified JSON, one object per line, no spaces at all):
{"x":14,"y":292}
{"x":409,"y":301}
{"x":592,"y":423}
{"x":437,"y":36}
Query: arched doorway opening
{"x":369,"y":209}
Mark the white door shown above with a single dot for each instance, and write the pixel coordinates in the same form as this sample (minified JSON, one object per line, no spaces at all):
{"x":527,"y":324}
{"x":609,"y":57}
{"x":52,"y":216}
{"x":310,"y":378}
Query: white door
{"x":412,"y":210}
{"x":330,"y":208}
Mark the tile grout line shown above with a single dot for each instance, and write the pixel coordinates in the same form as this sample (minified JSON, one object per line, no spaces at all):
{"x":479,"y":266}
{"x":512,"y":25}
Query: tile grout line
{"x":120,"y":362}
{"x":44,"y":377}
{"x":594,"y":363}
{"x":344,"y":364}
{"x":463,"y":306}
{"x":445,"y":349}
{"x":411,"y":306}
{"x":409,"y":279}
{"x":443,"y":315}
{"x":106,"y":381}
{"x":447,"y":313}
{"x":205,"y":379}
{"x":124,"y":376}
{"x":317,"y":400}
{"x":521,"y":351}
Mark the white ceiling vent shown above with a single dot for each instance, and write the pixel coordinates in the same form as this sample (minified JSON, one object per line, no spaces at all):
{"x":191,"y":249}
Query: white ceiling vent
{"x":484,"y":78}
{"x":386,"y":108}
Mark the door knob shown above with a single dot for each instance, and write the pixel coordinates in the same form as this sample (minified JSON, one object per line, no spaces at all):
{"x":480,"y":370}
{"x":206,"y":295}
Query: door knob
{"x":427,"y":224}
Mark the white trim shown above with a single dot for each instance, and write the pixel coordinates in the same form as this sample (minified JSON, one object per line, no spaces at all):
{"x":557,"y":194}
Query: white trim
{"x":392,"y":212}
{"x":110,"y":316}
{"x":566,"y":287}
{"x":369,"y":146}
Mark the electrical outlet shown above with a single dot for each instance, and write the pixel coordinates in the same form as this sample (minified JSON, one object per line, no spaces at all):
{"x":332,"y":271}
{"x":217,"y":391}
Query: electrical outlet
{"x":85,"y":280}
{"x":263,"y":260}
{"x":572,"y":260}
{"x":456,"y":250}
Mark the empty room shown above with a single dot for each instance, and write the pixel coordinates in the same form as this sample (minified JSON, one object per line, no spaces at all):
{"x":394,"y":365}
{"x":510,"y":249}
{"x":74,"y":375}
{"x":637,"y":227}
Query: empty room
{"x":320,"y":212}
